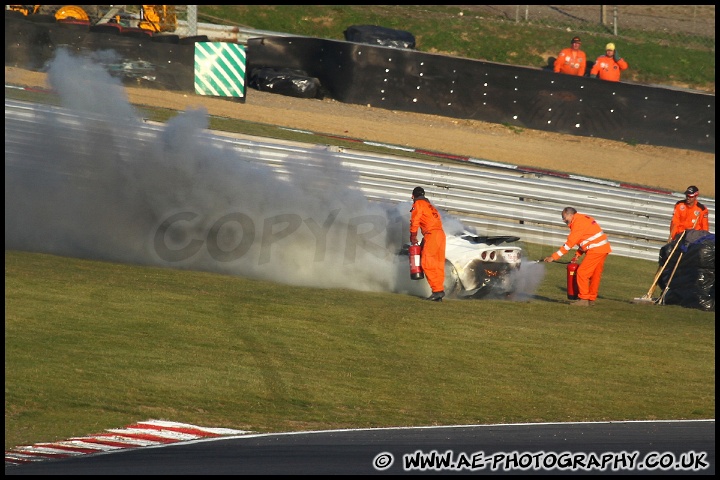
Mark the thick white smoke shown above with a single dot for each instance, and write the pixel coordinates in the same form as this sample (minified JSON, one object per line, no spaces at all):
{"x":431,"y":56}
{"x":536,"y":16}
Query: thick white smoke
{"x":179,"y":200}
{"x":182,"y":200}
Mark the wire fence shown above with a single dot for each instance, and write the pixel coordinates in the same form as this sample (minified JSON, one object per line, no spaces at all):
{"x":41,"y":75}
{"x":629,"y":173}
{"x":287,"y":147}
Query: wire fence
{"x":677,"y":20}
{"x":675,"y":23}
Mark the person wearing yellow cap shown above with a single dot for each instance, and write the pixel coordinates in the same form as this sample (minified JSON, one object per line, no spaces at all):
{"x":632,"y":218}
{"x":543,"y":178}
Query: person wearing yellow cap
{"x":571,"y":61}
{"x":608,"y":66}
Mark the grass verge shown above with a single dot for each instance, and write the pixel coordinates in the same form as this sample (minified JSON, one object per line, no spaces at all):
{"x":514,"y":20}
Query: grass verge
{"x":93,"y":345}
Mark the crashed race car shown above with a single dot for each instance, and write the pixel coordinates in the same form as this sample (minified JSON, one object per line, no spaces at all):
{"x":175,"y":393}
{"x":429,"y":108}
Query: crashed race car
{"x":480,"y":267}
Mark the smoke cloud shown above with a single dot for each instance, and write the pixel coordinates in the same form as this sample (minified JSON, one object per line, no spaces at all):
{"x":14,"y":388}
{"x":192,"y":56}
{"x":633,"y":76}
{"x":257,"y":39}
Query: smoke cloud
{"x":96,"y":185}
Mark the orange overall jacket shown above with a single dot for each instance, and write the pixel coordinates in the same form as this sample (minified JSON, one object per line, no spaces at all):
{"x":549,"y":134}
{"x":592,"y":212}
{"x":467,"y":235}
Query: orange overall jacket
{"x":586,"y":234}
{"x":606,"y":68}
{"x":686,"y":217}
{"x":570,"y":62}
{"x":425,"y":217}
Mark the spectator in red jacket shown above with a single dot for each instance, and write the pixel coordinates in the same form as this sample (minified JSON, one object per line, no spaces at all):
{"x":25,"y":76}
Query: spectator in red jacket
{"x":572,"y":60}
{"x":608,"y":66}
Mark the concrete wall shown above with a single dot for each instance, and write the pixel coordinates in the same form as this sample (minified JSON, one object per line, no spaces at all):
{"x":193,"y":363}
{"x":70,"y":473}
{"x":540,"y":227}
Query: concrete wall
{"x":408,"y":80}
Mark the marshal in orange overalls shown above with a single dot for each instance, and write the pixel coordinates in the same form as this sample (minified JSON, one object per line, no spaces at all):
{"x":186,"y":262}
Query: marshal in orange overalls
{"x":688,"y":214}
{"x":424,"y":216}
{"x":607,"y":67}
{"x":586,"y":234}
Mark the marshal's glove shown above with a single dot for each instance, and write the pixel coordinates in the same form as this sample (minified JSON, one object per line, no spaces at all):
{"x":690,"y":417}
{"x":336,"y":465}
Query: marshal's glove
{"x":616,"y":56}
{"x":413,"y":238}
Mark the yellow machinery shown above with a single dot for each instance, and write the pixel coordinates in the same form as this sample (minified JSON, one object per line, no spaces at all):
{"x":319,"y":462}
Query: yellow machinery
{"x":158,"y":18}
{"x":24,"y":9}
{"x":155,"y":18}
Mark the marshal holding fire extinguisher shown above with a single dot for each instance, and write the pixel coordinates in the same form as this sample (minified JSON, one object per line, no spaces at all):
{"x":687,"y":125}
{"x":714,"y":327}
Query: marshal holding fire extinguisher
{"x":425,"y":218}
{"x":586,"y":234}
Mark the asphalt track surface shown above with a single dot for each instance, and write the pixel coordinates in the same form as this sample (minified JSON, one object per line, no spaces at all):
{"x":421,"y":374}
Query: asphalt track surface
{"x":515,"y":449}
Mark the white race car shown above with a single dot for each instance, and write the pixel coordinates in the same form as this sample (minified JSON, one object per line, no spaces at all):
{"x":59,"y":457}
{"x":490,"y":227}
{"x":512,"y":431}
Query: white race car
{"x":480,"y":267}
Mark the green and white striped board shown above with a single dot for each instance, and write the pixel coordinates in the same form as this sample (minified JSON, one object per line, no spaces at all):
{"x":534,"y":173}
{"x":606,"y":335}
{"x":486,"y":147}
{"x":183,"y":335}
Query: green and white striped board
{"x":220,"y":69}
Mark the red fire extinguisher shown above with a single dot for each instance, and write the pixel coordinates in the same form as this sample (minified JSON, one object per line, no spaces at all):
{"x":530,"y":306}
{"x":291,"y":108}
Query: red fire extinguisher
{"x":572,"y":283}
{"x":416,"y":271}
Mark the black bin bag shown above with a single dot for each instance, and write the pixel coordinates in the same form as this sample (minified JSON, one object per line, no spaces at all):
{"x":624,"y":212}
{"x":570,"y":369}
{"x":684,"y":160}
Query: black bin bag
{"x":285,"y":81}
{"x":382,"y":36}
{"x":693,"y":283}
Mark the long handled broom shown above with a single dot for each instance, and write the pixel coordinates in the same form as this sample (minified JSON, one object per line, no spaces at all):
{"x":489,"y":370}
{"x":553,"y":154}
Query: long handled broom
{"x":647,"y":298}
{"x":667,"y":287}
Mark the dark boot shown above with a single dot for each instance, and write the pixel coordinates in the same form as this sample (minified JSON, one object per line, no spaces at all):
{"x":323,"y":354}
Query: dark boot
{"x":436,"y":296}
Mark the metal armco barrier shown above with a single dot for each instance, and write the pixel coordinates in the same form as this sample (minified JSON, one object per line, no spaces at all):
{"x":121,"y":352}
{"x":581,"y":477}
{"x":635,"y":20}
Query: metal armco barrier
{"x":496,"y":201}
{"x":493,"y":200}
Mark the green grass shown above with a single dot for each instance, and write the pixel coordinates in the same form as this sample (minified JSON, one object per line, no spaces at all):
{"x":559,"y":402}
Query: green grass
{"x":689,"y":61}
{"x":94,"y":345}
